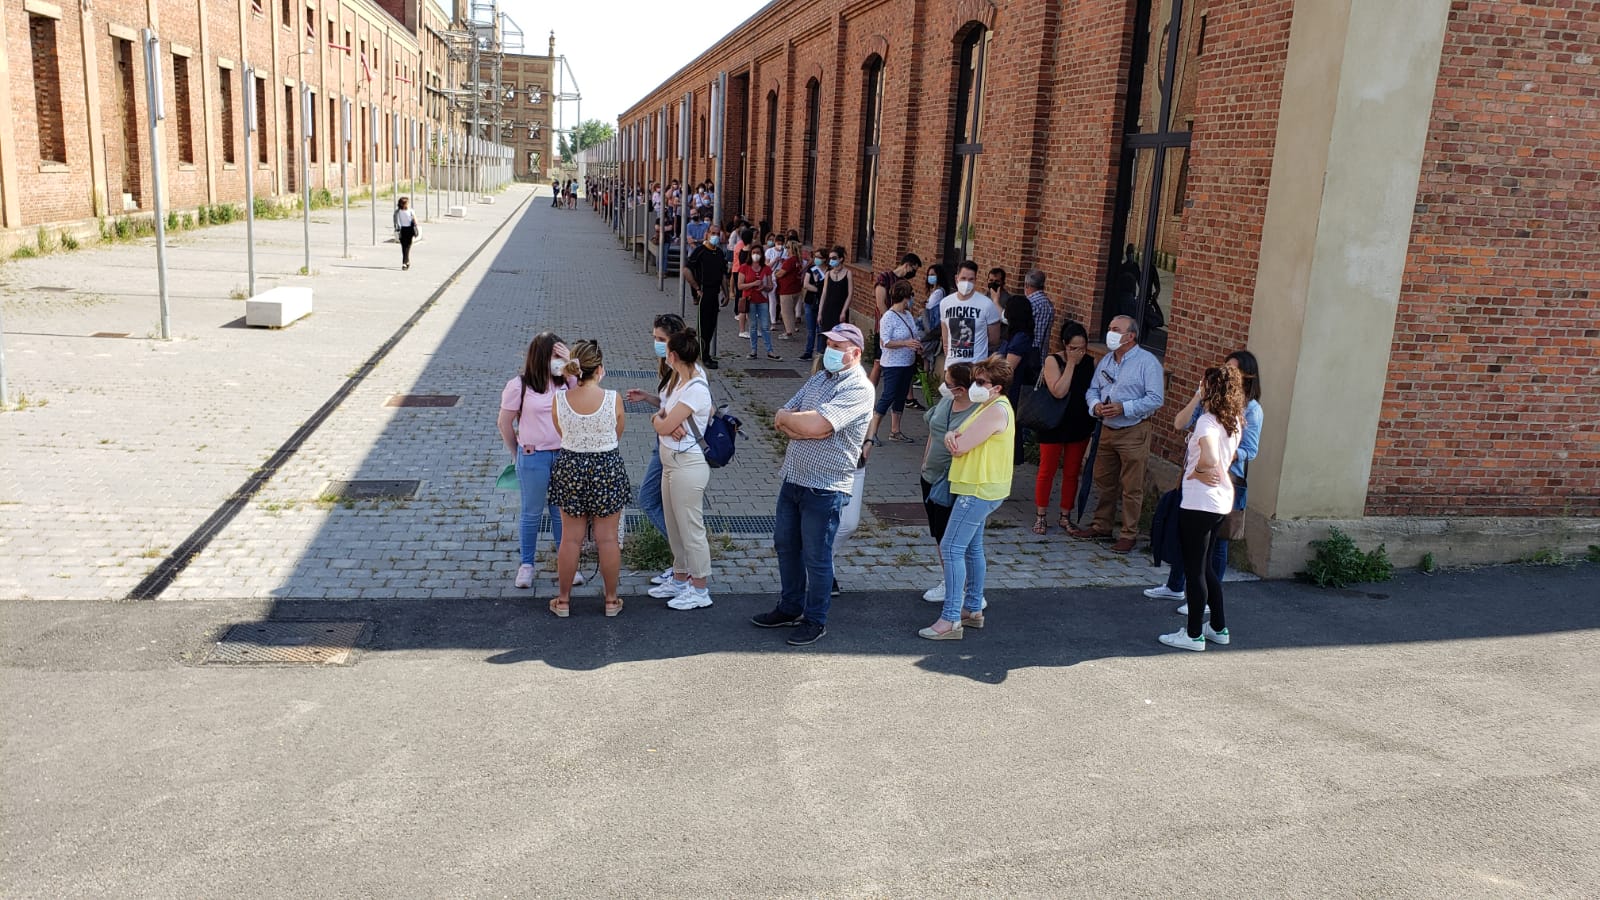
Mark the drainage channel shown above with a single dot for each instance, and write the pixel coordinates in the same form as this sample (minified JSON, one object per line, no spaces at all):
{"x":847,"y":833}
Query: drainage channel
{"x":175,"y":562}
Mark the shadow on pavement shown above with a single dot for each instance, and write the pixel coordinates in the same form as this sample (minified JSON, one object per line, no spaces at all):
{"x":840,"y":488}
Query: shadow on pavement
{"x":1028,"y":629}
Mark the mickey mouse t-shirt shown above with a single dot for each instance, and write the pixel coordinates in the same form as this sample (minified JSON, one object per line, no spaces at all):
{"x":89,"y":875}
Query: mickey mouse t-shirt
{"x":967,"y":320}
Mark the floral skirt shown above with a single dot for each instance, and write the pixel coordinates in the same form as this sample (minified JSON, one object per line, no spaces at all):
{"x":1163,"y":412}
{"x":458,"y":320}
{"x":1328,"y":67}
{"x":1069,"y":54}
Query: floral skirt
{"x":589,"y":484}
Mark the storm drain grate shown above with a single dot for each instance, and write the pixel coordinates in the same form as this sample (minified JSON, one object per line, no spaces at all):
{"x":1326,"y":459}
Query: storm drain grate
{"x":293,"y":643}
{"x":772,"y":373}
{"x":633,"y":521}
{"x":109,"y":334}
{"x":632,"y":373}
{"x":638,"y":406}
{"x":507,"y":272}
{"x":899,"y":513}
{"x":371,"y":489}
{"x":431,"y":401}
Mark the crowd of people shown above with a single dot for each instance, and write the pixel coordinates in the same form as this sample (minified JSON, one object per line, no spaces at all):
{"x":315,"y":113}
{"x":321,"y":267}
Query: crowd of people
{"x":969,"y":354}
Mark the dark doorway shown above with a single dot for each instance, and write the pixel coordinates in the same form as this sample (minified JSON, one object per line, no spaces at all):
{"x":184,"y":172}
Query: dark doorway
{"x":767,"y":209}
{"x":960,"y":238}
{"x":128,"y":115}
{"x":808,"y":196}
{"x":289,"y":157}
{"x":737,"y":137}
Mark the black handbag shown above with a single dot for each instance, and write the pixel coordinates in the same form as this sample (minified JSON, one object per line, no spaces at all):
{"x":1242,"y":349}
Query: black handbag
{"x":1038,"y":409}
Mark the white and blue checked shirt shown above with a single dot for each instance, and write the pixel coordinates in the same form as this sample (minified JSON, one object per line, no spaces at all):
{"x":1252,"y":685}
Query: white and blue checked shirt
{"x":845,"y":400}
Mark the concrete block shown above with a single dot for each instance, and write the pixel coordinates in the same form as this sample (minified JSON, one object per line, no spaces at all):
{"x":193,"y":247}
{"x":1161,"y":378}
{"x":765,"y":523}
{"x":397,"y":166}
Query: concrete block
{"x":278,"y":307}
{"x":459,"y":212}
{"x":486,"y":199}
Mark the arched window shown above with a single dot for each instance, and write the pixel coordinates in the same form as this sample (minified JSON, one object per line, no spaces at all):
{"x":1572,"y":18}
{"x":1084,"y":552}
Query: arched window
{"x":871,"y":135}
{"x":966,"y":147}
{"x":772,"y":156}
{"x":808,"y":197}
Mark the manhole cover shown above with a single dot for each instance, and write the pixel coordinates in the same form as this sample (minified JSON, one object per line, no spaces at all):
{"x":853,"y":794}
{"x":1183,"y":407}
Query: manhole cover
{"x":423,"y":400}
{"x":371,"y":490}
{"x":110,"y":334}
{"x":289,"y":643}
{"x":899,"y":513}
{"x":772,"y":373}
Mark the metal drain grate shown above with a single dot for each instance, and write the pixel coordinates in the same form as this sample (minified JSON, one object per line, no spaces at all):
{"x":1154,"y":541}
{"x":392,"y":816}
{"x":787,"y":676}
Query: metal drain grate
{"x":371,"y":489}
{"x":428,"y":401}
{"x":772,"y":373}
{"x":638,"y":406}
{"x":109,"y":334}
{"x":632,"y":373}
{"x":293,"y":643}
{"x":899,"y":513}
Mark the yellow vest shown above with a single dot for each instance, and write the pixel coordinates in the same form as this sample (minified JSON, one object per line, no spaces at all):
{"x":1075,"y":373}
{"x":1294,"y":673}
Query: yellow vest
{"x":986,"y":471}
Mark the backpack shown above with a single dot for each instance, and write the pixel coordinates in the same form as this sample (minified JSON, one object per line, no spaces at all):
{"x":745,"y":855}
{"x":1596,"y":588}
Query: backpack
{"x":718,"y":441}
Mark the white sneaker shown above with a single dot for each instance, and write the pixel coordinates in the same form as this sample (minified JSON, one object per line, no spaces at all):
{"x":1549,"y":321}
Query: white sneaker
{"x":693,"y":598}
{"x":1162,"y":592}
{"x":1180,"y":639}
{"x":525,"y":576}
{"x":1184,"y":610}
{"x":744,"y":334}
{"x":1213,"y":637}
{"x":934,"y":594}
{"x":663,"y":578}
{"x":669,"y":589}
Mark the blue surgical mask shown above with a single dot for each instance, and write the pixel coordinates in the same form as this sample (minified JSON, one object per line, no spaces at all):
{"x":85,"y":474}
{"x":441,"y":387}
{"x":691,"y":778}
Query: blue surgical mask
{"x":933,"y":279}
{"x":715,"y":240}
{"x":833,"y":360}
{"x":661,"y":349}
{"x":833,"y":263}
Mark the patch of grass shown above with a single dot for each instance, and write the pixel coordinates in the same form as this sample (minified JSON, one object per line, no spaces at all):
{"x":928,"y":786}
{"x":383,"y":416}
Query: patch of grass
{"x":238,"y":294}
{"x":1428,"y":564}
{"x":907,"y":558}
{"x":1340,"y":563}
{"x":646,"y":550}
{"x":23,"y":402}
{"x":1594,"y":553}
{"x":68,"y":242}
{"x":26,"y":251}
{"x":47,"y":241}
{"x":723,"y":541}
{"x":152,"y":553}
{"x":1546,"y":556}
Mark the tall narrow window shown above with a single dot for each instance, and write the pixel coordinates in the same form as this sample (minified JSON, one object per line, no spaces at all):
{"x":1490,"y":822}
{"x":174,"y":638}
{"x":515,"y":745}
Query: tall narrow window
{"x":290,"y":160}
{"x":315,"y":137}
{"x":225,"y":85}
{"x":960,"y":230}
{"x":1153,"y":179}
{"x":181,"y":102}
{"x":871,"y":135}
{"x":772,"y":157}
{"x":287,"y":14}
{"x":128,"y":117}
{"x":261,"y":121}
{"x":808,"y":196}
{"x":47,"y":89}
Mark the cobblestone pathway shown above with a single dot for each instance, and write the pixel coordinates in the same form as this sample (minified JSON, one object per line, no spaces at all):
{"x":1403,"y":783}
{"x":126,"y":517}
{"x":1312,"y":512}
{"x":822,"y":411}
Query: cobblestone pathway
{"x":142,"y":440}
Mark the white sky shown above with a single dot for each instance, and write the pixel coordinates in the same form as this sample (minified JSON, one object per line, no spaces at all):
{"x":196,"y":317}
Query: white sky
{"x":619,"y":50}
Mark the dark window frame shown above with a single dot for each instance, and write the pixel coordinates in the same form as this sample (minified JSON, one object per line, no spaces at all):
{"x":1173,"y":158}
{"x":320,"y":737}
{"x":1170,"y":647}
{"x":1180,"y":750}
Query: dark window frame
{"x":871,"y":153}
{"x":966,"y":143}
{"x":808,"y":196}
{"x":772,"y":158}
{"x":183,"y":109}
{"x":45,"y":50}
{"x":225,"y":100}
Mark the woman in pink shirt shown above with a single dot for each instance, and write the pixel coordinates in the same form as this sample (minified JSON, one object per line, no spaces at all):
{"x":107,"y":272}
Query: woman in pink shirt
{"x":528,"y":431}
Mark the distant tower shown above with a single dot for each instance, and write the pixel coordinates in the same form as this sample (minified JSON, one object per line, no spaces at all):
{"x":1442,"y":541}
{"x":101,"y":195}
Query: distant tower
{"x":552,"y":45}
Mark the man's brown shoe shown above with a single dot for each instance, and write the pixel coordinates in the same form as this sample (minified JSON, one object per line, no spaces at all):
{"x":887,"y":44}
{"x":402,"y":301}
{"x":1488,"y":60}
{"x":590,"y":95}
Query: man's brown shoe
{"x":1124,"y":545}
{"x":1085,"y":534}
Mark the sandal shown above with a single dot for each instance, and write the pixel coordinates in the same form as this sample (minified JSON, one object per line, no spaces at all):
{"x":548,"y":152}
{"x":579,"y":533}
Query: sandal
{"x":560,"y":607}
{"x":1064,"y":522}
{"x":873,"y":441}
{"x":1039,"y":527}
{"x":899,"y":437}
{"x":613,"y":606}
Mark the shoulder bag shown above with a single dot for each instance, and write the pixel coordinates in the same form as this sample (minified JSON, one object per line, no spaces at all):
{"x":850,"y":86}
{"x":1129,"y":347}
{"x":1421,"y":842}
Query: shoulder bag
{"x":1040,"y":410}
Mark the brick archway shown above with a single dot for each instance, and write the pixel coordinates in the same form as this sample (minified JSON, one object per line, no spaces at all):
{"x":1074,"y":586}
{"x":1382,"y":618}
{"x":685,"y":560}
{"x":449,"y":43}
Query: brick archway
{"x":968,"y":11}
{"x":874,"y":45}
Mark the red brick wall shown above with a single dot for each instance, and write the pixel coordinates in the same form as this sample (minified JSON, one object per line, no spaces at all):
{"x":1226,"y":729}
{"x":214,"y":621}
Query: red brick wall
{"x":47,"y":193}
{"x":1492,"y":398}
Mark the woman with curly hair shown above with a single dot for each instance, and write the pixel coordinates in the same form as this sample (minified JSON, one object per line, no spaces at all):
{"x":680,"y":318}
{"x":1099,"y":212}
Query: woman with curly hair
{"x":1207,"y":498}
{"x":588,"y":481}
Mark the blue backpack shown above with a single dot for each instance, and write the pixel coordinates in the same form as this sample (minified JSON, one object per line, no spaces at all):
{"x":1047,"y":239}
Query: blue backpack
{"x":718,"y":441}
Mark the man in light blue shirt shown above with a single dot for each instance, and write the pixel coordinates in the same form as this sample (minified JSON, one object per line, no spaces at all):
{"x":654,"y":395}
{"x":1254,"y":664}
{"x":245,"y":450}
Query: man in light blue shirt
{"x":1128,"y":388}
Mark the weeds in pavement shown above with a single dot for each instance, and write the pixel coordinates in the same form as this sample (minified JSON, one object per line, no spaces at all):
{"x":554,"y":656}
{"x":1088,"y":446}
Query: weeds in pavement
{"x":1545,"y":556}
{"x":646,"y":549}
{"x":1340,"y":563}
{"x":1428,"y":565}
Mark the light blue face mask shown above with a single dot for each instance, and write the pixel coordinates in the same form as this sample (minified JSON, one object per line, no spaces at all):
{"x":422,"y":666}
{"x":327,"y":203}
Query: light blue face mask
{"x":661,"y":349}
{"x":833,"y":360}
{"x":833,"y":263}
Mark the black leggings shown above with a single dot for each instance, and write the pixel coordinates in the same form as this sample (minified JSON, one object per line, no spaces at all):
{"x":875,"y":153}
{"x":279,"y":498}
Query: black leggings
{"x":1197,"y":538}
{"x":407,"y":235}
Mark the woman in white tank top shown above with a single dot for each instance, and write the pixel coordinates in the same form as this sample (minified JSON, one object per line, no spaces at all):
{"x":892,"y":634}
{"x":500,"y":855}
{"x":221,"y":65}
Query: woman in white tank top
{"x":589,"y":482}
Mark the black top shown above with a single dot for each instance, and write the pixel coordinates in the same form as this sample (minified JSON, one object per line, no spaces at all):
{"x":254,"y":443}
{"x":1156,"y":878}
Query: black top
{"x":1077,"y":425}
{"x":835,"y":297}
{"x":710,"y":267}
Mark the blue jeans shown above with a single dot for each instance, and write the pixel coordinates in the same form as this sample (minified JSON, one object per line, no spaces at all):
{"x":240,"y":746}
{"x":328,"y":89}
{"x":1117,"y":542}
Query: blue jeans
{"x":650,"y":492}
{"x":814,"y":340}
{"x":807,"y":521}
{"x":533,"y":477}
{"x":760,"y":325}
{"x":961,"y":551}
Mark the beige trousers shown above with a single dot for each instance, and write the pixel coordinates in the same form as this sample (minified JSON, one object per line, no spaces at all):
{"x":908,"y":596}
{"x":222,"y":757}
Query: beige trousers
{"x":683,"y":490}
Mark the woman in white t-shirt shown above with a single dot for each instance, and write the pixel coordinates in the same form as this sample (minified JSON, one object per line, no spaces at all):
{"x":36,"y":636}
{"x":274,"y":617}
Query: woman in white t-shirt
{"x":1207,"y":498}
{"x":684,"y":473}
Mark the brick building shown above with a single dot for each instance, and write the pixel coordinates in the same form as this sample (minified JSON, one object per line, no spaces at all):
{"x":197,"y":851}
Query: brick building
{"x":525,"y":124}
{"x":1394,"y":205}
{"x":75,"y":145}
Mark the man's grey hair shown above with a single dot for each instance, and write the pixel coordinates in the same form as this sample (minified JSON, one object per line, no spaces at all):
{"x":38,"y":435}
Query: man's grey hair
{"x":1035,"y":279}
{"x":1132,"y":326}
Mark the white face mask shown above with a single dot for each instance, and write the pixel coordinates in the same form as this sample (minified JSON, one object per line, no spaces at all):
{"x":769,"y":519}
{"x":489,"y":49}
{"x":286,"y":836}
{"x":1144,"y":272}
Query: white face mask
{"x":945,"y":392}
{"x":963,"y":288}
{"x":558,"y":367}
{"x":978,"y":394}
{"x":1113,"y":340}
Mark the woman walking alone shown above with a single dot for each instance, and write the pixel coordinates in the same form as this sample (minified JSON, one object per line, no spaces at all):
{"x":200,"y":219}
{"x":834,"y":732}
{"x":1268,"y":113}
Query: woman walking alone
{"x":405,"y":226}
{"x":588,"y":482}
{"x":980,"y":480}
{"x":685,"y":399}
{"x":1207,"y":497}
{"x":527,"y":431}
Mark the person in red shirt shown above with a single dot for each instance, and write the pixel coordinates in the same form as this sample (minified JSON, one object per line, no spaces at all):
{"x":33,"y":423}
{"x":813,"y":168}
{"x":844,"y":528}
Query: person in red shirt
{"x":755,"y":278}
{"x":790,"y":274}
